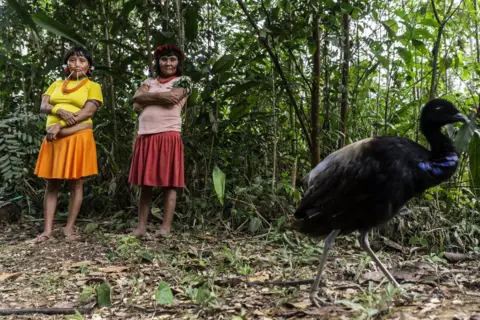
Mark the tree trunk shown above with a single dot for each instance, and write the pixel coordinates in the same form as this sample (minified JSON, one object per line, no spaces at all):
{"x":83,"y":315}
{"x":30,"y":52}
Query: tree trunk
{"x":315,"y":155}
{"x":147,"y":42}
{"x":110,"y":80}
{"x":345,"y":66}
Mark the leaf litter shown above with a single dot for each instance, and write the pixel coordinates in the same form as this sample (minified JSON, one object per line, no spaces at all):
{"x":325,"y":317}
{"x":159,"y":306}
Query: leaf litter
{"x":206,"y":276}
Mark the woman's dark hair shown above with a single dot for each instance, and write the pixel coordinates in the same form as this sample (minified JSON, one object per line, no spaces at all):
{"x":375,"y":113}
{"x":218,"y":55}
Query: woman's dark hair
{"x":79,"y":52}
{"x":168,"y":53}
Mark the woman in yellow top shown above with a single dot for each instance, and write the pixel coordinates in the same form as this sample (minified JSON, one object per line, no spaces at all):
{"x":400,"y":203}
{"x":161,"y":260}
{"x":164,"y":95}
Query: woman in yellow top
{"x":68,"y":151}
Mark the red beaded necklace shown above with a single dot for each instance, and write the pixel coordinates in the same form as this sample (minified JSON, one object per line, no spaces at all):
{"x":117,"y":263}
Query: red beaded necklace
{"x":165,"y":80}
{"x":65,"y":88}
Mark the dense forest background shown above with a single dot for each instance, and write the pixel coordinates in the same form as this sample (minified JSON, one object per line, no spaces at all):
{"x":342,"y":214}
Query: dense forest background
{"x":279,"y":85}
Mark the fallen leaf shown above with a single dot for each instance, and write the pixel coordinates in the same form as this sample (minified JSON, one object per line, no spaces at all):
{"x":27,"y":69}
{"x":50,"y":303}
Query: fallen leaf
{"x":262,"y":276}
{"x":456,"y":257}
{"x":78,"y":264}
{"x":65,"y":304}
{"x":302,"y":305}
{"x":112,"y":269}
{"x":6,"y":276}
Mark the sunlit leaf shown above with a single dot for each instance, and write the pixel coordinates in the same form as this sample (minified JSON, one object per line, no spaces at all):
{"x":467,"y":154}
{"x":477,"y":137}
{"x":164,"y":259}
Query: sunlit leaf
{"x":23,"y":13}
{"x":219,"y":183}
{"x":56,"y":27}
{"x":163,"y":294}
{"x":103,"y":295}
{"x":223,"y":64}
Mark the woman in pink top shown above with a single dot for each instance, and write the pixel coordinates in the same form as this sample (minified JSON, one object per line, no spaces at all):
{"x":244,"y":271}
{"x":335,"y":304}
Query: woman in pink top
{"x":158,"y":154}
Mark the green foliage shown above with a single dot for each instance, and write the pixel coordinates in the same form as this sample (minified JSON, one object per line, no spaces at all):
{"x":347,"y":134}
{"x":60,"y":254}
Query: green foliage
{"x":240,"y":116}
{"x":164,"y":295}
{"x":103,"y":295}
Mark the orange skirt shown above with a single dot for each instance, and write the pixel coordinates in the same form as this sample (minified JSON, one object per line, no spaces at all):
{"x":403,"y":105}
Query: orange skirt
{"x":71,"y":157}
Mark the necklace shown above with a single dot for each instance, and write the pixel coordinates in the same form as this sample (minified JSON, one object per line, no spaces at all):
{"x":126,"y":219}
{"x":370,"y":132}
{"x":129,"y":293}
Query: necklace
{"x":165,"y":80}
{"x":66,"y":90}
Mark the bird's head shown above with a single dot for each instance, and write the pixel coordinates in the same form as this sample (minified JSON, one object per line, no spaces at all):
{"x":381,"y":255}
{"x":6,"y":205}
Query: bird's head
{"x":439,"y":112}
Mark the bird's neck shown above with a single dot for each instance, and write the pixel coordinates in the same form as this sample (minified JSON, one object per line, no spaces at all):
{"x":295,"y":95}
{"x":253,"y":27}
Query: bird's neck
{"x":440,"y":144}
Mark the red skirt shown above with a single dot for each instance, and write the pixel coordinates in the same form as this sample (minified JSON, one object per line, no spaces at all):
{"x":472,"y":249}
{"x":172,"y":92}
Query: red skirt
{"x":158,"y":160}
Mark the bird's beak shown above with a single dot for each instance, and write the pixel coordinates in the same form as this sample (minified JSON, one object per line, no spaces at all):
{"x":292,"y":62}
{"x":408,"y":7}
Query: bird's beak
{"x":461,"y":117}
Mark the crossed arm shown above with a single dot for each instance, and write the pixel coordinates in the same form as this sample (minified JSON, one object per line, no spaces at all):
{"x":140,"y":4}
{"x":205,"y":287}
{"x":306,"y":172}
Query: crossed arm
{"x":143,"y":98}
{"x":70,"y":118}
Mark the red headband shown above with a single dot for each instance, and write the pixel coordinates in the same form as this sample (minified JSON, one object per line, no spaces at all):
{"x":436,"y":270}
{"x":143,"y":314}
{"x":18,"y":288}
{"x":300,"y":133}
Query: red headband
{"x":164,"y":47}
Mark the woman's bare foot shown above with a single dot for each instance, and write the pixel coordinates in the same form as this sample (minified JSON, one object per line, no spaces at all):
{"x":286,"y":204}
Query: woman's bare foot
{"x":163,"y":232}
{"x":42,"y":238}
{"x":139,"y":232}
{"x":70,"y":234}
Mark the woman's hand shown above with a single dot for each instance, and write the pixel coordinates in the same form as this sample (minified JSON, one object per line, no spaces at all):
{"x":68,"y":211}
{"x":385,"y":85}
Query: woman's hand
{"x":137,"y":107}
{"x":67,"y":116}
{"x":53,"y":131}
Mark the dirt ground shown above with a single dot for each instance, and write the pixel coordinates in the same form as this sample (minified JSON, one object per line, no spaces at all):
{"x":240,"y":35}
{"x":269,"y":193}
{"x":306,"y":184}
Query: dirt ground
{"x":209,"y":275}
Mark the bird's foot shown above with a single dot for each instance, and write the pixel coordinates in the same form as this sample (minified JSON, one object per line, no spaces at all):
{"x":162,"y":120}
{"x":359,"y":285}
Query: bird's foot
{"x":319,"y":302}
{"x":403,"y":298}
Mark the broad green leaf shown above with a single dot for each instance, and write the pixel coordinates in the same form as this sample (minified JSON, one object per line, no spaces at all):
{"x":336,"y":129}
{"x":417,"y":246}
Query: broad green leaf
{"x":223,"y":64}
{"x":219,"y":183}
{"x":163,"y":294}
{"x":406,"y":55}
{"x":76,"y":316}
{"x":464,"y":135}
{"x":391,"y":26}
{"x":91,"y":227}
{"x":24,"y":15}
{"x":474,"y":162}
{"x":147,"y":256}
{"x":191,"y":23}
{"x":103,"y":295}
{"x":203,"y":295}
{"x":255,"y":224}
{"x":239,"y":88}
{"x":420,"y":45}
{"x":123,"y":16}
{"x":239,"y":110}
{"x":421,"y":33}
{"x":86,"y":294}
{"x":56,"y":27}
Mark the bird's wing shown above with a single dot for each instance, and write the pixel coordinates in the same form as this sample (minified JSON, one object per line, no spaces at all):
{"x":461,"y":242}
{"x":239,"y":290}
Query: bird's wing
{"x":354,"y":175}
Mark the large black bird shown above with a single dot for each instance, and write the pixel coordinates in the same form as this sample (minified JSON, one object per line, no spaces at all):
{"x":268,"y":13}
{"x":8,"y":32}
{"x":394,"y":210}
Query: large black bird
{"x":366,"y":183}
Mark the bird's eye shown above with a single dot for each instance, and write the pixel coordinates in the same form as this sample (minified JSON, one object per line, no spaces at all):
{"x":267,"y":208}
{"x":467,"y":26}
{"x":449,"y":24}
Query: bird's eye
{"x":438,"y":108}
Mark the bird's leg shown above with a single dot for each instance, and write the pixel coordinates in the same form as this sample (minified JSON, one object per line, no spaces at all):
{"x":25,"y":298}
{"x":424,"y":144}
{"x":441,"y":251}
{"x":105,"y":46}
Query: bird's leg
{"x":329,"y":241}
{"x":366,"y":246}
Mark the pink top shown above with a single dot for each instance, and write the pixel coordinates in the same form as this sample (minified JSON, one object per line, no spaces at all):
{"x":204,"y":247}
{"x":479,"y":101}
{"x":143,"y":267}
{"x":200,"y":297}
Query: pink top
{"x":154,"y":118}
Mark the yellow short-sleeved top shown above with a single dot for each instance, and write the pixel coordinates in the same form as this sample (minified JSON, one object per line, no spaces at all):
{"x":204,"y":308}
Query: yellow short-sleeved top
{"x":73,"y":101}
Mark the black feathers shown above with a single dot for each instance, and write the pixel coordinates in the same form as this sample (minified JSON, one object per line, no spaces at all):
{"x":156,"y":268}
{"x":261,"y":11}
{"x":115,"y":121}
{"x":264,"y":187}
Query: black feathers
{"x":366,"y":183}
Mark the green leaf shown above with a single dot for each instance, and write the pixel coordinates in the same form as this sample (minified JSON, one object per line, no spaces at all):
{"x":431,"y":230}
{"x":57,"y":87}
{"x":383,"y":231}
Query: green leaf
{"x":147,"y":256}
{"x":76,"y":316}
{"x":57,"y":28}
{"x":239,"y":88}
{"x":191,"y":23}
{"x":223,"y":64}
{"x":406,"y":55}
{"x":163,"y":295}
{"x":123,"y":16}
{"x":255,"y":224}
{"x":219,"y":183}
{"x":24,"y":15}
{"x":203,"y":295}
{"x":464,"y":135}
{"x":91,"y":227}
{"x":474,"y":162}
{"x":391,"y":26}
{"x":103,"y":295}
{"x":420,"y":46}
{"x":86,"y":294}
